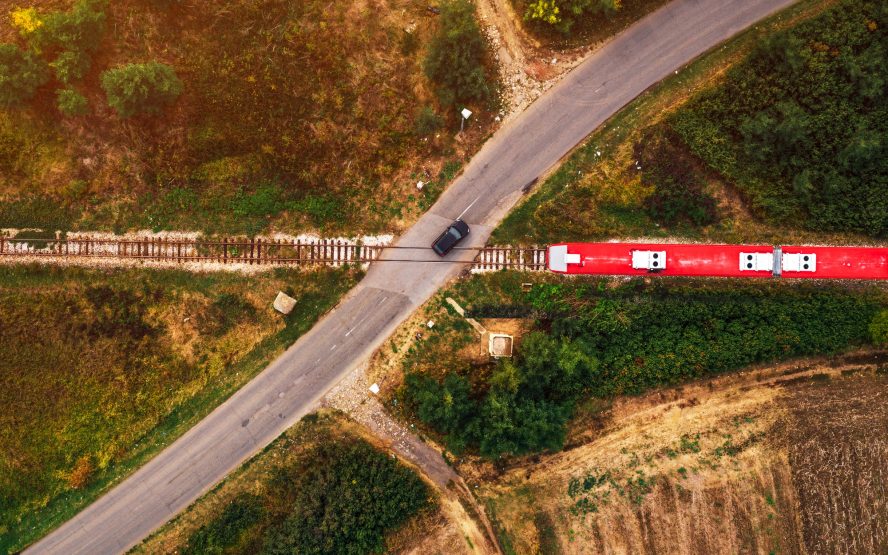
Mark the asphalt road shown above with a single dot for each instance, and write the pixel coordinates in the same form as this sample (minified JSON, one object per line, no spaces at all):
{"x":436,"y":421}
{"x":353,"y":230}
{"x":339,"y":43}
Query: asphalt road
{"x":491,"y":184}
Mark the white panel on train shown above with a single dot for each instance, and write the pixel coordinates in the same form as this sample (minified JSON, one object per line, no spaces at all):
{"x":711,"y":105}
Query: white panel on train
{"x":649,"y":260}
{"x":799,"y":262}
{"x":756,"y":261}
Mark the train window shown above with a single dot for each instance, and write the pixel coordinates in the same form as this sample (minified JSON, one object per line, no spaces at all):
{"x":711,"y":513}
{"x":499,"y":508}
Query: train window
{"x":799,"y":262}
{"x":756,"y":261}
{"x":653,"y":261}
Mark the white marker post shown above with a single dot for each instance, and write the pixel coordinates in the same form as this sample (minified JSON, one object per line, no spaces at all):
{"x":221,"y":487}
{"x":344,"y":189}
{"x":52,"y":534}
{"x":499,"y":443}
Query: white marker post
{"x":466,"y":114}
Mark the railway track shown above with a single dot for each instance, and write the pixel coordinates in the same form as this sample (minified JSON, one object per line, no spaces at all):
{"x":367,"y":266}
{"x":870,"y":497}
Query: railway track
{"x":256,"y":251}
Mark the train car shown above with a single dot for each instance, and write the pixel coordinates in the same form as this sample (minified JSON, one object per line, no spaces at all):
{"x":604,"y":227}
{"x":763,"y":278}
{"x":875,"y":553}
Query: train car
{"x":834,"y":262}
{"x":636,"y":259}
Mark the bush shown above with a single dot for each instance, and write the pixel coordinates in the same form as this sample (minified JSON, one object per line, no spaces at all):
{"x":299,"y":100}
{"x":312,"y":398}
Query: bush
{"x":427,"y":122}
{"x":679,"y":194}
{"x":70,"y":66}
{"x":225,"y":530}
{"x":136,"y":89}
{"x":455,"y":59}
{"x":71,"y":103}
{"x":21,"y":74}
{"x":562,"y":14}
{"x":879,"y":328}
{"x":524,"y":410}
{"x":343,"y":498}
{"x":78,"y":30}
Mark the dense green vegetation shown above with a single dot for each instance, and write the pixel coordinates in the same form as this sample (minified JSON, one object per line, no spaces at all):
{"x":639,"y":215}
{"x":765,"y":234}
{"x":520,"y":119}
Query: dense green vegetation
{"x":596,"y":339}
{"x":20,"y":75}
{"x":101,"y":368}
{"x":456,"y":56}
{"x":341,"y":496}
{"x":136,"y":89}
{"x":679,"y":194}
{"x":801,"y":124}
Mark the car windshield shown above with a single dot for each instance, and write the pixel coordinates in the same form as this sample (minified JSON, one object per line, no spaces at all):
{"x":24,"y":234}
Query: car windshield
{"x":453,"y":231}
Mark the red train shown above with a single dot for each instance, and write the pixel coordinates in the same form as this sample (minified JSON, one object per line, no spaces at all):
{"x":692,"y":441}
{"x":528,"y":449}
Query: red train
{"x":636,"y":259}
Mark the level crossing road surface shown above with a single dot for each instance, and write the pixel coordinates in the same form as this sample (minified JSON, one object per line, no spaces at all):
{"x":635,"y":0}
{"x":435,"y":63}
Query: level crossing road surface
{"x":491,"y":184}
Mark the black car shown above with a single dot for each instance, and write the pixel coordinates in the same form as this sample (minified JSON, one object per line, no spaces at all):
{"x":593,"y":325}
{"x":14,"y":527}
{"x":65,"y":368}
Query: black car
{"x":457,"y":231}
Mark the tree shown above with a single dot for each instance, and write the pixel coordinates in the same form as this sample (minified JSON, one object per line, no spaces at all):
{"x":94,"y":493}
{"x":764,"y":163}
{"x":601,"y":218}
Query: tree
{"x":136,"y":89}
{"x":71,"y":103}
{"x":455,"y":60}
{"x":562,"y":14}
{"x":21,"y":73}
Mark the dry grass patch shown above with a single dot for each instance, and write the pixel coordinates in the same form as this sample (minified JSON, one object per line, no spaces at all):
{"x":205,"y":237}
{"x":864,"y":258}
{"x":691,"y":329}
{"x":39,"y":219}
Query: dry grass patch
{"x":100,"y":369}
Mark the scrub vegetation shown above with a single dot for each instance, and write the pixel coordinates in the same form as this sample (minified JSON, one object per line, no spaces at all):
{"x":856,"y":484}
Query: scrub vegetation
{"x":321,"y":488}
{"x":689,"y":159}
{"x":100,"y":369}
{"x":572,"y":23}
{"x":599,"y":338}
{"x":233,"y":117}
{"x":800,"y":125}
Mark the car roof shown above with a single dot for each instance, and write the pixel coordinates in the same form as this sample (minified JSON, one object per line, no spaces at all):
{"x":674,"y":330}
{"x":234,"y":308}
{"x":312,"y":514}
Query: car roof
{"x":462,"y":226}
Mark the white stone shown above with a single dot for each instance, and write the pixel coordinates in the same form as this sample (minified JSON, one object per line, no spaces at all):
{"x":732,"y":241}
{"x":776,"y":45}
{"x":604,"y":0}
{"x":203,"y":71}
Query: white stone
{"x":430,"y":324}
{"x":284,"y":303}
{"x":374,"y":389}
{"x":420,"y":185}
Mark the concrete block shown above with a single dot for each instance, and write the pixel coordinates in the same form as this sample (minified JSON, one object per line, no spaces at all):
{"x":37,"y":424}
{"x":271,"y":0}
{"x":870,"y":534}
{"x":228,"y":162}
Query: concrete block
{"x":284,"y":303}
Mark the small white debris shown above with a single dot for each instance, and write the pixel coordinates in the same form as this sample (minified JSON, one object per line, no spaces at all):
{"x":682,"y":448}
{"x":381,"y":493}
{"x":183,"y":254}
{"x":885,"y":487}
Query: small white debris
{"x":554,"y":61}
{"x":497,"y":118}
{"x":676,"y":72}
{"x":430,"y":324}
{"x":597,"y":153}
{"x":420,"y":185}
{"x":374,"y":389}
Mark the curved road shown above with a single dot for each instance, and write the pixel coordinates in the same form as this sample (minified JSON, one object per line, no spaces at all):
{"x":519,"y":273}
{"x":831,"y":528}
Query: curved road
{"x":491,"y":184}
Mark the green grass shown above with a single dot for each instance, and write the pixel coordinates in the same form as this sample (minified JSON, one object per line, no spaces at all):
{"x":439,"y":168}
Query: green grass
{"x":101,"y":370}
{"x":596,"y":197}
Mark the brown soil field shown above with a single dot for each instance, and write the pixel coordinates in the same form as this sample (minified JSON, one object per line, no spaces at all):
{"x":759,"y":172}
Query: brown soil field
{"x":786,"y":459}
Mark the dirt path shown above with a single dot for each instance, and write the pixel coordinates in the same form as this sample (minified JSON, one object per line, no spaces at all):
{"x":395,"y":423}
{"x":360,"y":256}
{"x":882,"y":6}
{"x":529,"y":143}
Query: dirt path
{"x":526,"y":69}
{"x":352,"y":396}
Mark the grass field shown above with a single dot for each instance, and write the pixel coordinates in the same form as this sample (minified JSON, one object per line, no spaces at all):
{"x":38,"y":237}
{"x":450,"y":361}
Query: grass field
{"x":101,"y":369}
{"x":294,"y":116}
{"x":241,"y":514}
{"x":604,"y":189}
